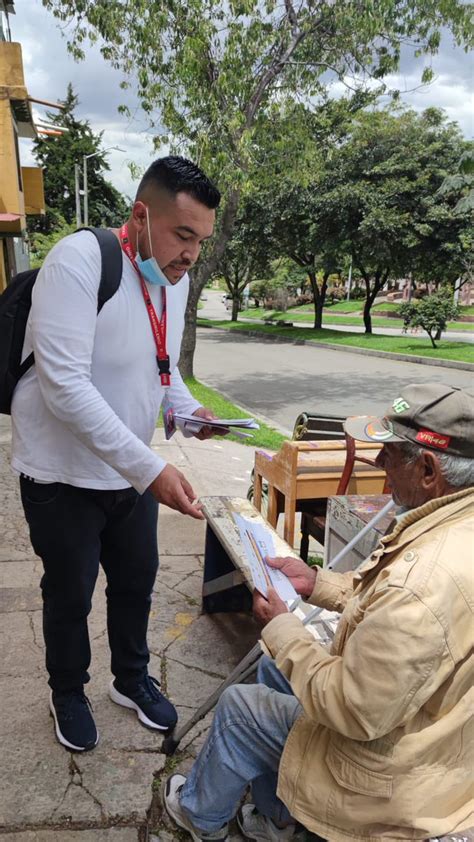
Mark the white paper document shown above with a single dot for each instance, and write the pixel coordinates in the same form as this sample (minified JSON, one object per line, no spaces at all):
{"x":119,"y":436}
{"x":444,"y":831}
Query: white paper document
{"x":258,"y":545}
{"x":194,"y":424}
{"x":244,"y":423}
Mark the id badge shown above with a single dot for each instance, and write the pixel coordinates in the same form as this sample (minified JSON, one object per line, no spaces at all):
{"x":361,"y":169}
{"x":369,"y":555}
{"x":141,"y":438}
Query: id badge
{"x":169,"y":422}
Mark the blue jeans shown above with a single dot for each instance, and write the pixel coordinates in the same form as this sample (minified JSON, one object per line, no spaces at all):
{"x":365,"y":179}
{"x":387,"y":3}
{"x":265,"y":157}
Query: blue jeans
{"x":244,"y":746}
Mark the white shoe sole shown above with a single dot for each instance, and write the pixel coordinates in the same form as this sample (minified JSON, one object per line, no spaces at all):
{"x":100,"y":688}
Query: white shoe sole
{"x":176,"y":816}
{"x":254,"y":836}
{"x":125,"y":702}
{"x":181,"y":821}
{"x":58,"y":733}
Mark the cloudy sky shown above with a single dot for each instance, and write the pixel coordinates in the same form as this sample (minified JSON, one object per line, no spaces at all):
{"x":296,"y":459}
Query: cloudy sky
{"x":49,"y":68}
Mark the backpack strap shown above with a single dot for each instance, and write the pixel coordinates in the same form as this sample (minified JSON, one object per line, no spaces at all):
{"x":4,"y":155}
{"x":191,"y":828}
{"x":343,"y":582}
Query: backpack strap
{"x":112,"y":264}
{"x":110,"y":277}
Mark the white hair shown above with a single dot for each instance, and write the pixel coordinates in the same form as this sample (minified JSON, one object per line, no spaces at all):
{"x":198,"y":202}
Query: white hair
{"x":458,"y":471}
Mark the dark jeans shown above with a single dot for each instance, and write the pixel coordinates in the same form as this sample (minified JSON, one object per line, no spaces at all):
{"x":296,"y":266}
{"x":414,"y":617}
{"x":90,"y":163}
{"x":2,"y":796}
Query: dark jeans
{"x":73,"y":530}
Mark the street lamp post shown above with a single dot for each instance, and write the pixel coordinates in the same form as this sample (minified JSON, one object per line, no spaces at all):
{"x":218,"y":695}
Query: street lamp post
{"x":78,"y":195}
{"x":85,"y":184}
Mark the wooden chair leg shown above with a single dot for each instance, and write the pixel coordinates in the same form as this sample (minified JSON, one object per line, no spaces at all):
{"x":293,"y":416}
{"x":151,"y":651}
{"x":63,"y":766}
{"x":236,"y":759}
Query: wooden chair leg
{"x":272,"y":513}
{"x":290,"y":512}
{"x":257,"y":491}
{"x":304,"y":546}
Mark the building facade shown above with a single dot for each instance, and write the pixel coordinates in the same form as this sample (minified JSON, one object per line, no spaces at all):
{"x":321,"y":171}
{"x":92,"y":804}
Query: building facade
{"x":21,"y":188}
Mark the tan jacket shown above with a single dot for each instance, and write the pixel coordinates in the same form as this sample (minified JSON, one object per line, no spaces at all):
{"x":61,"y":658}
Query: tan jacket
{"x":383,"y":749}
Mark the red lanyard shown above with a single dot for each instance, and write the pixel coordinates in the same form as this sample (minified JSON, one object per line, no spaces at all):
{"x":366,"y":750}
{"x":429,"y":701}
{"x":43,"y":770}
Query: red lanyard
{"x":158,"y":328}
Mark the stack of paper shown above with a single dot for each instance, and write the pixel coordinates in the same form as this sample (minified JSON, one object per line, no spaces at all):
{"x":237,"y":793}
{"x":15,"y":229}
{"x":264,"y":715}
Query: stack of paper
{"x":223,"y":425}
{"x":258,"y":545}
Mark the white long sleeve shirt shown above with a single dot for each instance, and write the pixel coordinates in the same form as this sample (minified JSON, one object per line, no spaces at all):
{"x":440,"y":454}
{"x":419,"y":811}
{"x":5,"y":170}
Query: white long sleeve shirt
{"x":86,"y":412}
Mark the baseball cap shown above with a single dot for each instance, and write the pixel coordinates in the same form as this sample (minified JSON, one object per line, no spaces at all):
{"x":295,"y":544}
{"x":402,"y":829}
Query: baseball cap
{"x":430,"y":415}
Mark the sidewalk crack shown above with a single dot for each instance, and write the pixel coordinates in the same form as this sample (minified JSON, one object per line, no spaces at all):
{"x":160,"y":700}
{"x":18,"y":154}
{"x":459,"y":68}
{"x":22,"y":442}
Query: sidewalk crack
{"x":77,"y":779}
{"x":209,"y":673}
{"x":33,"y":631}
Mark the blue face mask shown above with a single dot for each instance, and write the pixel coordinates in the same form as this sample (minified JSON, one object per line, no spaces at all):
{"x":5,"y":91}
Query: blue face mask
{"x":149,"y":268}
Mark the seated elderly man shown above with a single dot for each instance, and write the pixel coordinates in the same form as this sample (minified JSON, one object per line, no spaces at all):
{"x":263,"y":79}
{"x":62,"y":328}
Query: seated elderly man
{"x":371,"y":740}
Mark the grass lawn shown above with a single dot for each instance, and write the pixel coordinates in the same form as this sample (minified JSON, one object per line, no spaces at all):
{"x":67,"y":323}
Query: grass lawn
{"x":413,"y":345}
{"x":264,"y":437}
{"x":298,"y":314}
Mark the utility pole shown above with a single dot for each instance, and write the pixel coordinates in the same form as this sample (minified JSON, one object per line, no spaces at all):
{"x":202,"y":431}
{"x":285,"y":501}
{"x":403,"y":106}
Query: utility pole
{"x":457,"y":287}
{"x":78,"y":195}
{"x":349,"y":282}
{"x":86,"y":192}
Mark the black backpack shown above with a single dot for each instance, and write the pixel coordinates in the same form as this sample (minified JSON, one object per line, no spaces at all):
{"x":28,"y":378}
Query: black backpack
{"x":15,"y":303}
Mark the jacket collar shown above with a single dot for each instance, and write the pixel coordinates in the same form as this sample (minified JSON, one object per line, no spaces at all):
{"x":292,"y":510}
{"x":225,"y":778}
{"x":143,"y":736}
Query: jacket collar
{"x":414,"y":524}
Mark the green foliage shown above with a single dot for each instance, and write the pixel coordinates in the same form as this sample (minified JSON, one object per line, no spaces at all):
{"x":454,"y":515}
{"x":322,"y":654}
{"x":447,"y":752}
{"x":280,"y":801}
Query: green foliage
{"x":431,"y":313}
{"x":219,"y":80}
{"x":460,"y":186}
{"x":284,"y":278}
{"x":245,"y":255}
{"x":378,"y":198}
{"x":58,"y":156}
{"x":41,"y":244}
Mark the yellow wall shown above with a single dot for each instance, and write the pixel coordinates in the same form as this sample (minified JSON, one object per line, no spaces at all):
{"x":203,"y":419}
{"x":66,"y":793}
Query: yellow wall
{"x":12,"y":88}
{"x":11,"y":197}
{"x":11,"y":69}
{"x":3,"y":275}
{"x":33,"y":190}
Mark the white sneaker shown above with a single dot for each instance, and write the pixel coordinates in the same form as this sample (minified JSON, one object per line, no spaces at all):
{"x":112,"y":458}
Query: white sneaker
{"x":170,"y":794}
{"x":255,"y":826}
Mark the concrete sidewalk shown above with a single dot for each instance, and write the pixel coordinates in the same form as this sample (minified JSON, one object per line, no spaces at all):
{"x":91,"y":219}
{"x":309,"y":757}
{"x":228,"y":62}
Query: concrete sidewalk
{"x":112,"y":793}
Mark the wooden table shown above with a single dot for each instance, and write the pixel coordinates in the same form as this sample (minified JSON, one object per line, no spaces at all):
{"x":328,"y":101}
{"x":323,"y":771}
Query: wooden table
{"x":310,"y":470}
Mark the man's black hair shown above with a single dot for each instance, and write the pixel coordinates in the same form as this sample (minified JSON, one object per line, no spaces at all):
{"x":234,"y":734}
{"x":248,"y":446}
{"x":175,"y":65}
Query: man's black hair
{"x":178,"y":175}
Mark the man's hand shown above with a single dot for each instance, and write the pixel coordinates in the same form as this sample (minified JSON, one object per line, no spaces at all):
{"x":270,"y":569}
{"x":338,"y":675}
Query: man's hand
{"x":302,"y":577}
{"x":208,"y":431}
{"x":265,"y":610}
{"x":172,"y":489}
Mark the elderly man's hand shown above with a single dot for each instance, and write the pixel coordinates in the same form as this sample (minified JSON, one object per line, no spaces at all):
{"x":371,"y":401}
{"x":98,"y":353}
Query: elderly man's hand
{"x":265,"y":610}
{"x":208,"y":431}
{"x":302,"y":577}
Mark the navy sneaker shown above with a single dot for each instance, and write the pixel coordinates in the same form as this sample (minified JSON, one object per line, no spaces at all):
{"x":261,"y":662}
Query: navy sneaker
{"x":73,"y":720}
{"x":152,"y":708}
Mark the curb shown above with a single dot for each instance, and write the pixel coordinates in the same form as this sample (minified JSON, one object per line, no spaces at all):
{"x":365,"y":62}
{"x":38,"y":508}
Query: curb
{"x":368,"y":352}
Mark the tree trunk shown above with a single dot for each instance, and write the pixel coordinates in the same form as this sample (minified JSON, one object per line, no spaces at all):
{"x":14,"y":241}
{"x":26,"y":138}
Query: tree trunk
{"x":319,"y":303}
{"x":188,"y":344}
{"x":318,"y":310}
{"x":235,"y":307}
{"x":370,"y":295}
{"x":199,"y":279}
{"x":369,"y":300}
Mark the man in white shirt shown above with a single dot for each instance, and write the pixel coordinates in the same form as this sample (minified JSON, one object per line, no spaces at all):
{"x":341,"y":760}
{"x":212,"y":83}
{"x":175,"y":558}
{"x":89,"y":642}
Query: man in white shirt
{"x":83,"y":417}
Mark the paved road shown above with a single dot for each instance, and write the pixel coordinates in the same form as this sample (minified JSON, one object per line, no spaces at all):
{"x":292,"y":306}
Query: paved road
{"x":279,"y":380}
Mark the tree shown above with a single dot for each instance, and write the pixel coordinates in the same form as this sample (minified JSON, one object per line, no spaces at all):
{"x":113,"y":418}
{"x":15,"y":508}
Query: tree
{"x":208,"y":73}
{"x":42,"y":243}
{"x":297,"y":229}
{"x":245,"y":257}
{"x":431,"y":313}
{"x":461,"y":184}
{"x":378,"y":197}
{"x":58,"y":155}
